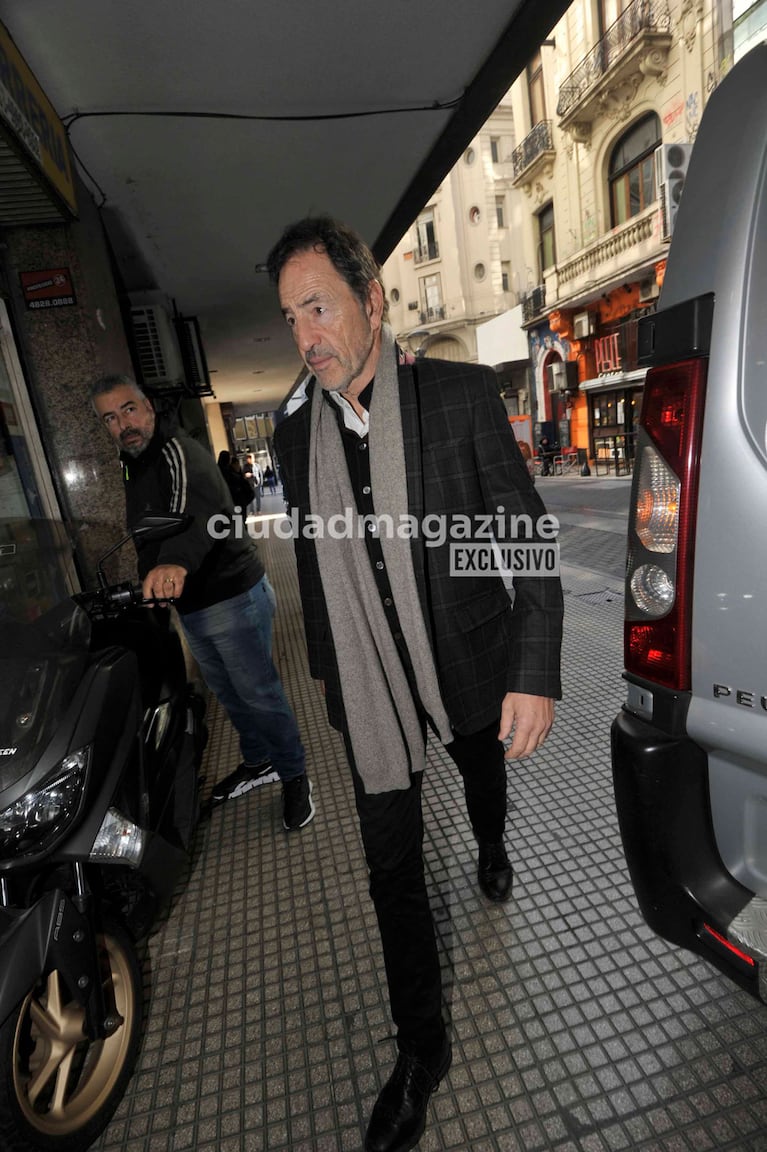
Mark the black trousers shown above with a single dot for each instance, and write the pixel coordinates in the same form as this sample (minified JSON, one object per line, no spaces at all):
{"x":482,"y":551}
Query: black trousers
{"x":391,"y":824}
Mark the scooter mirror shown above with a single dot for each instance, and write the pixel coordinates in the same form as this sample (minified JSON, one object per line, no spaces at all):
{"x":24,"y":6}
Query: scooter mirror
{"x":160,"y":526}
{"x":151,"y":526}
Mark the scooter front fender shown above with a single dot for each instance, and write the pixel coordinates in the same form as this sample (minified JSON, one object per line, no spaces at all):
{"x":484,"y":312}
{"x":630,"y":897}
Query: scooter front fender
{"x":34,"y":941}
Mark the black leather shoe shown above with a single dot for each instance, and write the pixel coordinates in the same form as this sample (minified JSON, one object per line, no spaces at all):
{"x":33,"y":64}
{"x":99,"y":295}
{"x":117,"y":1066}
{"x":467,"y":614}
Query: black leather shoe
{"x":494,"y":872}
{"x":399,"y":1113}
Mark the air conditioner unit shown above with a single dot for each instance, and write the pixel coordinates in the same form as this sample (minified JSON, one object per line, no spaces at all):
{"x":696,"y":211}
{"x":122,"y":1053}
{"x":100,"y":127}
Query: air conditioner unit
{"x":671,"y":162}
{"x":563,"y":376}
{"x":193,"y":356}
{"x":156,"y":347}
{"x":583,"y":325}
{"x":648,"y":290}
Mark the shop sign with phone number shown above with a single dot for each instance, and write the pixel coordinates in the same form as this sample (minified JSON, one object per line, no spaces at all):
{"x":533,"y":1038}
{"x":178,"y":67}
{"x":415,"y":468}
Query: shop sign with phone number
{"x":51,"y":288}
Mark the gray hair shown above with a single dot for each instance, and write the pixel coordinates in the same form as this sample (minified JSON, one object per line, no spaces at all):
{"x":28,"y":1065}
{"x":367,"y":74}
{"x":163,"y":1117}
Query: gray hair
{"x":344,"y":247}
{"x":108,"y":383}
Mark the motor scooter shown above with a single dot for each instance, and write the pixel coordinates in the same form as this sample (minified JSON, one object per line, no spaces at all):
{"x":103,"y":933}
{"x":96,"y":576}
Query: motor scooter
{"x":101,"y":740}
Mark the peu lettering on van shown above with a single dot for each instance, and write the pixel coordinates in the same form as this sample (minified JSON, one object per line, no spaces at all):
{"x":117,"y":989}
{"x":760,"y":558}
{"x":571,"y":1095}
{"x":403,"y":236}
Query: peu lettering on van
{"x":740,"y":696}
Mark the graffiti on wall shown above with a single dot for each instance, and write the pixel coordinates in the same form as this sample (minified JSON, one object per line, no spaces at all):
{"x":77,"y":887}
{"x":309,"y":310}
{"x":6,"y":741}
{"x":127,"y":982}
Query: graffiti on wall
{"x":545,"y":347}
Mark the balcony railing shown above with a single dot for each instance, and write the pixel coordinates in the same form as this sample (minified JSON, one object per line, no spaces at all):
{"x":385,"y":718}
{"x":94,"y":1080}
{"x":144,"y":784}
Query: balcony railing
{"x":424,"y":252}
{"x":535,"y":144}
{"x":533,"y":303}
{"x":639,"y":18}
{"x":432,"y":314}
{"x":610,"y":248}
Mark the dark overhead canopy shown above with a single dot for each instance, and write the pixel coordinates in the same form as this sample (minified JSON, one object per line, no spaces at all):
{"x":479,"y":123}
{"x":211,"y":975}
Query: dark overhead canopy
{"x":203,"y":129}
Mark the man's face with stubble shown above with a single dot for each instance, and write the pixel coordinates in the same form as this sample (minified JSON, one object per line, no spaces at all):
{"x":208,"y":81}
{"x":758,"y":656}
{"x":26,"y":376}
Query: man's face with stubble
{"x":128,"y":417}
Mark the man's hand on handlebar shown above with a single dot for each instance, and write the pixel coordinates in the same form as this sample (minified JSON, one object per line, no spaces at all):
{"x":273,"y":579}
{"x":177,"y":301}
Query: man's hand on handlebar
{"x":165,"y":582}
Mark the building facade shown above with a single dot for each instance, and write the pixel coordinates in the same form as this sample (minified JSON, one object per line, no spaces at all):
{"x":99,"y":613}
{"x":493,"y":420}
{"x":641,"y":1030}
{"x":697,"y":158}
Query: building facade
{"x":574,"y":222}
{"x":608,"y":115}
{"x":458,"y":265}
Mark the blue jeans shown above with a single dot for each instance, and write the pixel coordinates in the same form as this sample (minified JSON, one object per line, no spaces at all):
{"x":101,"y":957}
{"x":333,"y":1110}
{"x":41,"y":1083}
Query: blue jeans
{"x":232,"y":643}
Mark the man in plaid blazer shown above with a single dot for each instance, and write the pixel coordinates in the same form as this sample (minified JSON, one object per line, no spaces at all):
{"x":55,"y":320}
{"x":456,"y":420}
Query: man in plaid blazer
{"x":494,"y":651}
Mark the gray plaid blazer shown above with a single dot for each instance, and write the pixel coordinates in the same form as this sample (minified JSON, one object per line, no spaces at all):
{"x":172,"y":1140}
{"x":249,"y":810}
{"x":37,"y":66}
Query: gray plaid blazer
{"x":462,"y":458}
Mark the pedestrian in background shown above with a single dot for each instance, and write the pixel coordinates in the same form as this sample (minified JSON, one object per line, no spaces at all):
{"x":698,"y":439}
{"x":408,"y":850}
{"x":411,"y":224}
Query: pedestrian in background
{"x":239,"y":488}
{"x":255,"y":478}
{"x":547,"y":451}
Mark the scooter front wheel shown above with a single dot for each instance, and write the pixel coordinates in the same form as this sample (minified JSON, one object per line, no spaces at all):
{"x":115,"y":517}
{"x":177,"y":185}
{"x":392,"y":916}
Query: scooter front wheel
{"x":58,"y":1088}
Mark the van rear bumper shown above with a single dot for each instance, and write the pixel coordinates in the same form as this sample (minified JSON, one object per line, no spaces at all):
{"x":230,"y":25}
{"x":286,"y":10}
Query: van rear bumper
{"x":664,"y":814}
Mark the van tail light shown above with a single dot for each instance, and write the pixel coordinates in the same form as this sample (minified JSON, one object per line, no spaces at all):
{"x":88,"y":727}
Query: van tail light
{"x":662,"y":524}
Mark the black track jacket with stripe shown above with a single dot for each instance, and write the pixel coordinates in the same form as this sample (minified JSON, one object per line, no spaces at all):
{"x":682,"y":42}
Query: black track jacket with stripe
{"x":176,"y":474}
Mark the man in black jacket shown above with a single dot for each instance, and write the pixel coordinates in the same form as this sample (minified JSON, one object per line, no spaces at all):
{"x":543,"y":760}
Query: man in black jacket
{"x":216,"y":579}
{"x":400,"y":640}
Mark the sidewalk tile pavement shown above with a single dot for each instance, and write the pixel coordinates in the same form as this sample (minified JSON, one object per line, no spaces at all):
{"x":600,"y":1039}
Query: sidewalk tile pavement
{"x":574,"y":1028}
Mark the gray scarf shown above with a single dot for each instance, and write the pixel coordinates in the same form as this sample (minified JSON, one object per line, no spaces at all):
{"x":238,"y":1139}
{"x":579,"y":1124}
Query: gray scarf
{"x":382,"y":718}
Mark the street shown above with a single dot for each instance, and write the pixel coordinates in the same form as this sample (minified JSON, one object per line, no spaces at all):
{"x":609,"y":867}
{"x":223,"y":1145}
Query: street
{"x":592,"y":512}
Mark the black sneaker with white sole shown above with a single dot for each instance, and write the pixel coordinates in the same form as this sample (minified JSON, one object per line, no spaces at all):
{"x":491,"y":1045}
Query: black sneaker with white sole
{"x":243,"y":780}
{"x":297,"y":804}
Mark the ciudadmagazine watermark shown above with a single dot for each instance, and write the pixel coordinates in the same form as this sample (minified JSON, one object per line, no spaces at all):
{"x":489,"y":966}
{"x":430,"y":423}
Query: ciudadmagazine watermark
{"x":491,"y":544}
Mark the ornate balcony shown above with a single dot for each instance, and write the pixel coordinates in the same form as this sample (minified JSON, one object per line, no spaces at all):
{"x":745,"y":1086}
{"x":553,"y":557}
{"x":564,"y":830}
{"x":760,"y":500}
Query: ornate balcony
{"x":535,"y":150}
{"x":607,"y":80}
{"x":630,"y":245}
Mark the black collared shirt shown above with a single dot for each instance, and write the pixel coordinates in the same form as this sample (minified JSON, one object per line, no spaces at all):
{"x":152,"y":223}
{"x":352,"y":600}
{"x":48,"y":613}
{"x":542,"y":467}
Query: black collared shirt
{"x":358,"y":463}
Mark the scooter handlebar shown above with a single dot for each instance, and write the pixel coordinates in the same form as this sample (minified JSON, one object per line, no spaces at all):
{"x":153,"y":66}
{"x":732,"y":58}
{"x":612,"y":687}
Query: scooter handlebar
{"x":125,"y":595}
{"x":109,"y":601}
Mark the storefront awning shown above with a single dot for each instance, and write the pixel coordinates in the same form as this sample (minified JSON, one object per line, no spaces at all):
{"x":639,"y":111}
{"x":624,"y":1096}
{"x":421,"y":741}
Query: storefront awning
{"x":613,"y":381}
{"x":36,"y":177}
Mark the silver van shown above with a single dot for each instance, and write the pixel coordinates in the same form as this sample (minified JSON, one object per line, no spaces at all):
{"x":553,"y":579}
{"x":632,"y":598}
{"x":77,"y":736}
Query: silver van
{"x":689,"y":748}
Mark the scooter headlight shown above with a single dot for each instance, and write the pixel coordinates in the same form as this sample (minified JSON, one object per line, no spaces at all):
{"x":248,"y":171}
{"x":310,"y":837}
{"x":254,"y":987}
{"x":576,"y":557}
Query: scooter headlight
{"x":38,"y":818}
